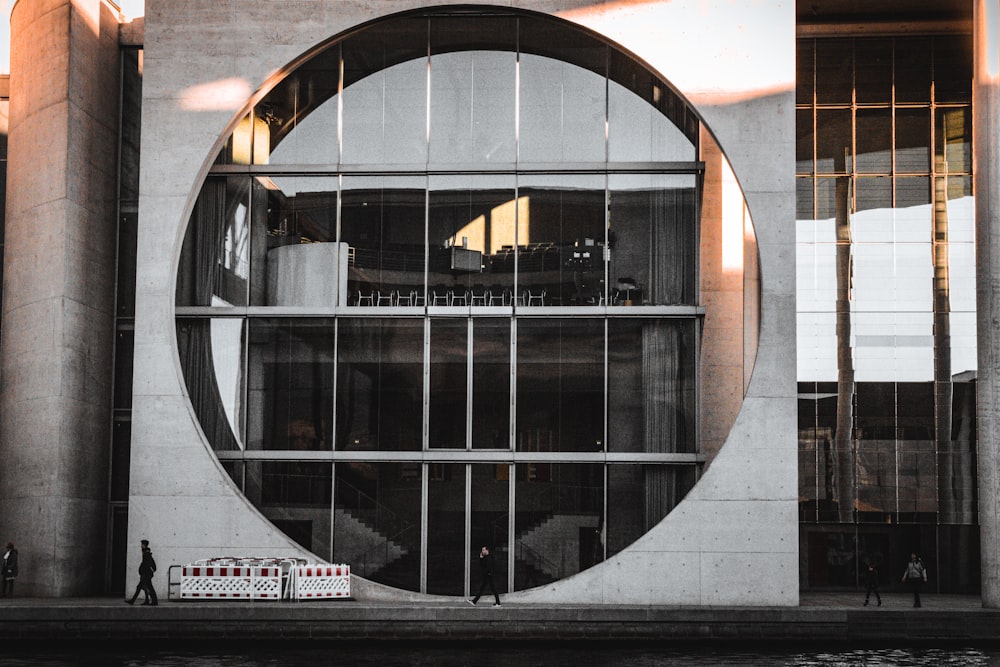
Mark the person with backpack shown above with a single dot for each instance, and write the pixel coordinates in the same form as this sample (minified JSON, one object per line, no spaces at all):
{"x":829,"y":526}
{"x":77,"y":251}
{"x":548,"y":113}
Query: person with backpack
{"x":915,"y":576}
{"x":146,"y":569}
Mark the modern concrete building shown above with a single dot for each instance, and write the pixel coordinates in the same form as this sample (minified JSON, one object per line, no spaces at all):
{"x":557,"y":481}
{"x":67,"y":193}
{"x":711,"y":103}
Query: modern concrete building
{"x":382,"y":283}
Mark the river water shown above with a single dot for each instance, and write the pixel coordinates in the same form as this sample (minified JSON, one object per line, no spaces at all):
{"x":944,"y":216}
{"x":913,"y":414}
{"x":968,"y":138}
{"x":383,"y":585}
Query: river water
{"x":495,"y":654}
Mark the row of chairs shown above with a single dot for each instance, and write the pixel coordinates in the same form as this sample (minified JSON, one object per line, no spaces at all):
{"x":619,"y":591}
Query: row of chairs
{"x":441,"y":295}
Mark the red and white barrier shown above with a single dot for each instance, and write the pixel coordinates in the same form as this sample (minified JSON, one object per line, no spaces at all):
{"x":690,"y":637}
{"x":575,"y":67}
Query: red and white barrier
{"x":320,"y":582}
{"x":216,"y":582}
{"x":262,"y":579}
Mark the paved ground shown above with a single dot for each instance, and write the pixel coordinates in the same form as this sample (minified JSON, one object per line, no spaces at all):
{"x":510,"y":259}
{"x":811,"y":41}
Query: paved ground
{"x":821,"y":617}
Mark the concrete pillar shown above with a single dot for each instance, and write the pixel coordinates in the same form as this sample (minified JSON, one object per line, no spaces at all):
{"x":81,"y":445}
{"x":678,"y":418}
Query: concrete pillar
{"x":986,"y":121}
{"x":58,"y":300}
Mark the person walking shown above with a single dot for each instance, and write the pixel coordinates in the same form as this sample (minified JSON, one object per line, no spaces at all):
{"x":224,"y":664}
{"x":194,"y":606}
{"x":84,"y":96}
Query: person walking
{"x":9,"y":571}
{"x":146,"y":569}
{"x":486,"y":570}
{"x":871,"y":584}
{"x":915,"y":576}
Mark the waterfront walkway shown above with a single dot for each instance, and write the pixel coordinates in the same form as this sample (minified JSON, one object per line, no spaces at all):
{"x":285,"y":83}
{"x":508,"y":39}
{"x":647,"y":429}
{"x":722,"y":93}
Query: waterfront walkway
{"x":832,"y":617}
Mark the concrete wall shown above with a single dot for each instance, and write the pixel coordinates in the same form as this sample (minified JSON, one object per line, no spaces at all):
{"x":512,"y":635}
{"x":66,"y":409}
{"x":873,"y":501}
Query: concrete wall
{"x":58,"y":305}
{"x":733,"y":540}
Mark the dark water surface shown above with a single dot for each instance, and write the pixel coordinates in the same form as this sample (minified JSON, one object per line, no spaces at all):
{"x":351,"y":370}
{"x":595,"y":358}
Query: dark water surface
{"x":496,"y":654}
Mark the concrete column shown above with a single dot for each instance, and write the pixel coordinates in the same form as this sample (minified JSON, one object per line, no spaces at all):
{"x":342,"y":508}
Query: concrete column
{"x":58,"y":300}
{"x":986,"y":121}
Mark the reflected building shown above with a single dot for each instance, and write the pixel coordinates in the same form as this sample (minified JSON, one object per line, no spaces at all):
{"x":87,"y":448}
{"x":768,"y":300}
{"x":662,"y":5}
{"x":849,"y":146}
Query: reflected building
{"x":397,"y":282}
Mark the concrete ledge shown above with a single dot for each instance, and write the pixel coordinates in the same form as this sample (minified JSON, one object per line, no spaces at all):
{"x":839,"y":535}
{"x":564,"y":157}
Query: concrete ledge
{"x":98,"y":619}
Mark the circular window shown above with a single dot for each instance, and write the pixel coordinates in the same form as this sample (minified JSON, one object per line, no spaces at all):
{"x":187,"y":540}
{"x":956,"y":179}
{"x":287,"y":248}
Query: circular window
{"x":439,"y":291}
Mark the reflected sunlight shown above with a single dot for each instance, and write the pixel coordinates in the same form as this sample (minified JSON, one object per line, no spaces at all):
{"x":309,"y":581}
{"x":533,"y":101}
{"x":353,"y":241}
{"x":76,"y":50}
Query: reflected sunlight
{"x":221,"y":95}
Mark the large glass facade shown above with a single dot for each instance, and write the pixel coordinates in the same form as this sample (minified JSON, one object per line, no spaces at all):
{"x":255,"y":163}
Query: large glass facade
{"x":439,"y":291}
{"x":886,"y":308}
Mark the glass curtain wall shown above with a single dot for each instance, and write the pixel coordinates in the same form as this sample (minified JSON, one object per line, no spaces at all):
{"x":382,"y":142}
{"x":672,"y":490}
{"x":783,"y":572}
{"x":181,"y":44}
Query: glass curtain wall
{"x":886,"y":309}
{"x":429,"y":273}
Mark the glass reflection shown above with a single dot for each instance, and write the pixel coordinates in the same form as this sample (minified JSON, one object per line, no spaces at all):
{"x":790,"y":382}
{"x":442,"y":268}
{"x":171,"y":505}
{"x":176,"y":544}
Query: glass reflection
{"x":560,"y":385}
{"x":449,"y":357}
{"x":296,"y":497}
{"x":490,"y":504}
{"x":652,"y":239}
{"x":473,"y":80}
{"x":446,"y":528}
{"x":382,"y":223}
{"x":290,"y":385}
{"x":651,"y":386}
{"x":384,"y":117}
{"x":472,"y":229}
{"x":491,"y":383}
{"x":297,"y":260}
{"x":560,"y":242}
{"x":558,"y":521}
{"x":211,"y":353}
{"x":380,"y":384}
{"x":376,"y":522}
{"x":214,"y":267}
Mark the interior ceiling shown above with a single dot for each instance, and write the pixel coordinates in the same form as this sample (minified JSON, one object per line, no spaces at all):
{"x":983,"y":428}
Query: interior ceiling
{"x":862,"y":11}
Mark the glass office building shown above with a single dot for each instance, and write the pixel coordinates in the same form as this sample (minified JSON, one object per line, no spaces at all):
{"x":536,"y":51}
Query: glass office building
{"x":439,"y":290}
{"x":886,"y":306}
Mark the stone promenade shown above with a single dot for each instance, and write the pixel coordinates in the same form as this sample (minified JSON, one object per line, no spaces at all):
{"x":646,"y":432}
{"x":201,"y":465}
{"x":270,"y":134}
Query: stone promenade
{"x":819,"y":618}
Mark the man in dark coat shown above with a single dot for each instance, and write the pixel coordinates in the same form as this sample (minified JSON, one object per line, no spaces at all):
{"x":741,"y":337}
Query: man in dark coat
{"x":9,"y":571}
{"x":146,"y":569}
{"x":486,"y":568}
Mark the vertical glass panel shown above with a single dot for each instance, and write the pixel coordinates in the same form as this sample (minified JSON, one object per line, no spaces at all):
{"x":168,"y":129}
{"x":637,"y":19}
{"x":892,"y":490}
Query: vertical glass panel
{"x":473,"y":75}
{"x":913,"y":69}
{"x":560,"y":385}
{"x":376,"y":525}
{"x":558,"y":521}
{"x":382,"y":223}
{"x":873,"y":70}
{"x":804,"y":141}
{"x":130,"y":125}
{"x":953,"y":134}
{"x":121,"y":452}
{"x":872,"y":195}
{"x":215,"y":258}
{"x":385,"y":94}
{"x":124,"y":356}
{"x":489,"y":523}
{"x":211,"y":355}
{"x":561,"y":225}
{"x":638,"y":130}
{"x":380,"y":385}
{"x":834,"y":71}
{"x":653,"y":237}
{"x":913,"y":191}
{"x":296,"y":496}
{"x":834,"y":196}
{"x":297,"y":260}
{"x":804,"y":199}
{"x":876,"y":471}
{"x":563,"y":79}
{"x":239,"y":145}
{"x":472,"y":231}
{"x":874,"y":141}
{"x":491,"y":383}
{"x":953,"y":68}
{"x":651,"y":386}
{"x":913,"y":141}
{"x":449,"y":380}
{"x":290,"y":384}
{"x":446,"y":528}
{"x":834,"y":147}
{"x":300,"y":116}
{"x":917,"y":459}
{"x":128,"y":230}
{"x":639,"y":496}
{"x":805,"y":75}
